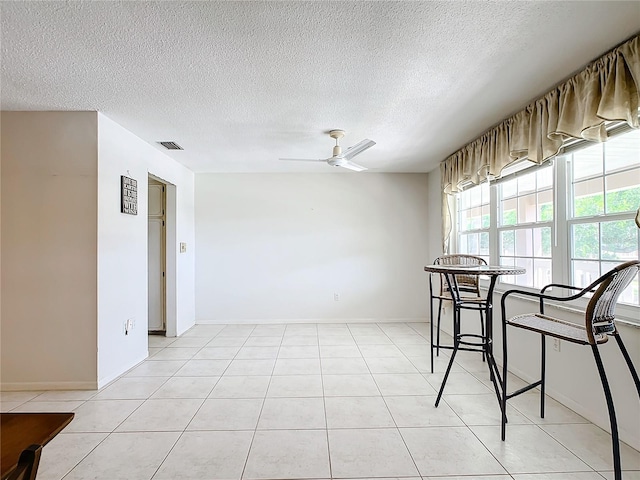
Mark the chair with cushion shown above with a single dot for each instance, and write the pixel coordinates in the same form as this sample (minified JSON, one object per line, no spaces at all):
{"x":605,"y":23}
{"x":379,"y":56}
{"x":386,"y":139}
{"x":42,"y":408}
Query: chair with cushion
{"x":470,"y":298}
{"x":598,"y":327}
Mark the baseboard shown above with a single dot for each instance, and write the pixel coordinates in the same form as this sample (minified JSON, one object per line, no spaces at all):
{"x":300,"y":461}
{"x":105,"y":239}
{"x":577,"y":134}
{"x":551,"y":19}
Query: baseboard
{"x":37,"y":386}
{"x":276,"y":321}
{"x":102,"y":382}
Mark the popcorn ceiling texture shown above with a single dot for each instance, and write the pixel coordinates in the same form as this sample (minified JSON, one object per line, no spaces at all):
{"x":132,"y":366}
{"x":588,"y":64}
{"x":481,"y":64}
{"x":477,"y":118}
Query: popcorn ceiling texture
{"x":240,"y":84}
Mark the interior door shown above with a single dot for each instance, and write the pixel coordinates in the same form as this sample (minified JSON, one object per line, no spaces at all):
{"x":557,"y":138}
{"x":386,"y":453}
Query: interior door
{"x":156,"y":256}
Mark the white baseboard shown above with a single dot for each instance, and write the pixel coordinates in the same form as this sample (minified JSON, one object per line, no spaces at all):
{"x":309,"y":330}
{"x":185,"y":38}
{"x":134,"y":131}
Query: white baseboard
{"x":102,"y":382}
{"x":276,"y":321}
{"x":38,"y":386}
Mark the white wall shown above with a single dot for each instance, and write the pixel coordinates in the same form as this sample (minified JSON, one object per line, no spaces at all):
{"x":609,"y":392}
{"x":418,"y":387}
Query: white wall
{"x":122,"y":247}
{"x":49,"y":205}
{"x":572,"y":377}
{"x":277,"y":247}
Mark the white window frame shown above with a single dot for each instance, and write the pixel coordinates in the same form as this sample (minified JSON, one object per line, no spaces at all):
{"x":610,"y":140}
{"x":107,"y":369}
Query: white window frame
{"x":479,"y":231}
{"x":551,"y":224}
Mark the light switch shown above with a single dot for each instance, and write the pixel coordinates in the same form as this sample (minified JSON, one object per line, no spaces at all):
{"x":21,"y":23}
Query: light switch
{"x":183,"y":247}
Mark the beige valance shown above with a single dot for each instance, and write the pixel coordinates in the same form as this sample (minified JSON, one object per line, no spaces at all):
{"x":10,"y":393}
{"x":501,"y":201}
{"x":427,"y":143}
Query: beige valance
{"x":607,"y":90}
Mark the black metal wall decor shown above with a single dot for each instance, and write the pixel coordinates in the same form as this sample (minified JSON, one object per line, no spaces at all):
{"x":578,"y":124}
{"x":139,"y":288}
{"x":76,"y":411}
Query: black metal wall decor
{"x":129,"y":203}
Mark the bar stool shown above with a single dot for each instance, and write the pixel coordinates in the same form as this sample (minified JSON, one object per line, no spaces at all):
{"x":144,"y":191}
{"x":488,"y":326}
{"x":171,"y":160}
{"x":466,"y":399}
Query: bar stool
{"x":598,"y":327}
{"x":470,"y":298}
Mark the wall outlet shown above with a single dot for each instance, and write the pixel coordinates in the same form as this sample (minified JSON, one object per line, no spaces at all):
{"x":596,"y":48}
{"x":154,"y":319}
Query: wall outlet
{"x":129,"y":324}
{"x":556,"y":344}
{"x":336,"y":297}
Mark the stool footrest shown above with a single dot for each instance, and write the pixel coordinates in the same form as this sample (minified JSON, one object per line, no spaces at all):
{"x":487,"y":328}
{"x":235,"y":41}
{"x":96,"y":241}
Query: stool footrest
{"x":483,"y":340}
{"x":523,"y":389}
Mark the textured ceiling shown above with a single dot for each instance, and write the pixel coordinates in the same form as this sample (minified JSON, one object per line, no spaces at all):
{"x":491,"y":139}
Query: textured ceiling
{"x":240,"y":84}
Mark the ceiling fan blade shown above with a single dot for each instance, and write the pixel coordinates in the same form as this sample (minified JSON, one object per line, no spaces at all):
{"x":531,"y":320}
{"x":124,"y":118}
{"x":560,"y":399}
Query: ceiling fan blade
{"x":352,"y":166}
{"x":304,"y":159}
{"x":358,"y":148}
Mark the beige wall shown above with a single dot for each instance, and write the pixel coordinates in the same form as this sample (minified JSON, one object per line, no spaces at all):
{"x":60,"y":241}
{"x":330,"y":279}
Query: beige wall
{"x":49,"y":247}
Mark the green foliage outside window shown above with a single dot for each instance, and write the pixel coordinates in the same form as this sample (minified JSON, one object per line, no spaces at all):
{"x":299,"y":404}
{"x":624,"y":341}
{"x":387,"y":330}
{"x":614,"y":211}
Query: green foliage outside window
{"x":623,"y":200}
{"x":588,"y":205}
{"x":546,"y":212}
{"x":586,"y":241}
{"x":509,"y":217}
{"x":619,"y":240}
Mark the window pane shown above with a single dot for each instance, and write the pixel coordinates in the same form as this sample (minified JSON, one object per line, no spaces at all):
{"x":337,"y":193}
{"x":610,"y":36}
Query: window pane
{"x":545,"y":177}
{"x":526,"y":183}
{"x":463,"y":199}
{"x":541,"y":272}
{"x":507,"y":243}
{"x":622,"y":151}
{"x":509,"y":208}
{"x":542,"y":242}
{"x":486,"y":216}
{"x":585,"y":272}
{"x":524,"y":243}
{"x":510,"y":188}
{"x":484,"y":189}
{"x":545,"y":206}
{"x":619,"y":240}
{"x":484,"y":244}
{"x":587,"y":162}
{"x":463,"y":246}
{"x":507,"y":262}
{"x":623,"y":191}
{"x":475,"y":197}
{"x":588,"y":198}
{"x":472,"y":243}
{"x":527,"y":208}
{"x":586,"y":240}
{"x":525,"y":279}
{"x":464,"y":220}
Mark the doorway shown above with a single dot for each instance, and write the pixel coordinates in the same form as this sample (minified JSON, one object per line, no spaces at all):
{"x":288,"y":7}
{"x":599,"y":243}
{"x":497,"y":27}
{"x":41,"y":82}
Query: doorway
{"x":157,"y":245}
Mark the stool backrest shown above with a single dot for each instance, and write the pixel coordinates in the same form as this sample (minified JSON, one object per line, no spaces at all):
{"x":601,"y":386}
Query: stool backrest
{"x":601,"y":310}
{"x":466,"y":283}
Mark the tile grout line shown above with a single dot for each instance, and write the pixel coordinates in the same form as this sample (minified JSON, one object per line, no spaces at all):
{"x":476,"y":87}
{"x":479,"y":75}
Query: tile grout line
{"x":266,"y":393}
{"x":195,"y":413}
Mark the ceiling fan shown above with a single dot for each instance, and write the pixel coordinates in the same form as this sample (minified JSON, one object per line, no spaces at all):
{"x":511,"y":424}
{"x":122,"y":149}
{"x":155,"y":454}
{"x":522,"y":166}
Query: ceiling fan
{"x":340,"y":159}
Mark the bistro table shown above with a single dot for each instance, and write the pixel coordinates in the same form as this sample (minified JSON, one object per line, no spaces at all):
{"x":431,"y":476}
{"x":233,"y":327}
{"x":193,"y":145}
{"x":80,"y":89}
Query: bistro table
{"x":22,"y":436}
{"x":468,"y":341}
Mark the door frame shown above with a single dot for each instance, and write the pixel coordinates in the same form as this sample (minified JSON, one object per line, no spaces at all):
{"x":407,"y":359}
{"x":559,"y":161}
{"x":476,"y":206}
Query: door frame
{"x":170,"y":260}
{"x":156,"y":218}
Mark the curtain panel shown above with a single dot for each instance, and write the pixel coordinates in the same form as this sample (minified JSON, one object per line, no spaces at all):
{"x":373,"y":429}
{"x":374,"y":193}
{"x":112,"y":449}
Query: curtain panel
{"x":606,"y":90}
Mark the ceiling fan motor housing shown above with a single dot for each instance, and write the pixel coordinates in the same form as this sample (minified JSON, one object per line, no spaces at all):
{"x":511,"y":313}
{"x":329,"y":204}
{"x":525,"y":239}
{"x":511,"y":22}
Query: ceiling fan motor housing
{"x":337,"y":134}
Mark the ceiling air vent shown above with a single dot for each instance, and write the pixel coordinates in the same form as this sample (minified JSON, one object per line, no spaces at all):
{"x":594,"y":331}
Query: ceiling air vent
{"x":171,"y":145}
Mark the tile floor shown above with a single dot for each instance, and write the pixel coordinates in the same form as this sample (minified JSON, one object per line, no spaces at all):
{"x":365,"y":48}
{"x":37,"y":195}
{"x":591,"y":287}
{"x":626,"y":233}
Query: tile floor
{"x":311,"y":401}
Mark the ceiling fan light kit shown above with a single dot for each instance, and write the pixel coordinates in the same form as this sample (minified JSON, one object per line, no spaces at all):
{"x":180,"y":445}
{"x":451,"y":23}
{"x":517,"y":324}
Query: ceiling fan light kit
{"x":339,"y":159}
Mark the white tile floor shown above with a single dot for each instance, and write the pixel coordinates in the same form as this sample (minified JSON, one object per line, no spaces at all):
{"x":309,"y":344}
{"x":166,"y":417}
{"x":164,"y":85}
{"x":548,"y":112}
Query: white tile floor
{"x":311,"y":401}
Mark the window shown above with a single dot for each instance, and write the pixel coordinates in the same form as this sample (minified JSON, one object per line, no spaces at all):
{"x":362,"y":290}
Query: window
{"x":474,"y":214}
{"x":566,"y":222}
{"x":525,"y":220}
{"x":605,"y":186}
